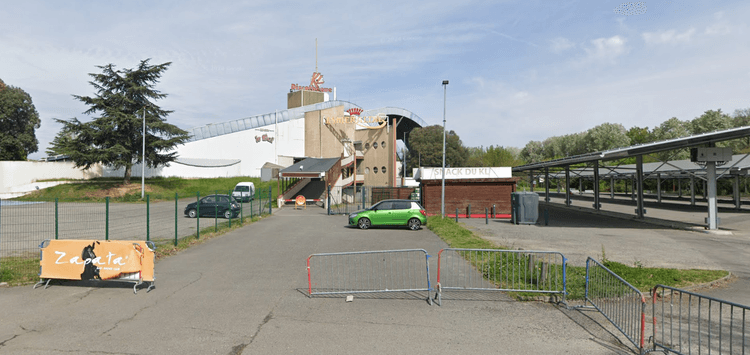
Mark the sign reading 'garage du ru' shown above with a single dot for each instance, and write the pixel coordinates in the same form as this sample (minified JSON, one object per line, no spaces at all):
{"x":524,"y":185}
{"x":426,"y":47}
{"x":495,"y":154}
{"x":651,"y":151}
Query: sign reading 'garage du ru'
{"x":465,"y":173}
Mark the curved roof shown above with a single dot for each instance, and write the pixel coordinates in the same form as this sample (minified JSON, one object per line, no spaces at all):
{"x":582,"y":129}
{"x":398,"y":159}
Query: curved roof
{"x":218,"y":129}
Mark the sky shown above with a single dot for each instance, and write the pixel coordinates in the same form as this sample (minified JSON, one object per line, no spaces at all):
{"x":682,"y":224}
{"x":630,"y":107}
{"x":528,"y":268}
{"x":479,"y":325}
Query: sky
{"x":518,"y":70}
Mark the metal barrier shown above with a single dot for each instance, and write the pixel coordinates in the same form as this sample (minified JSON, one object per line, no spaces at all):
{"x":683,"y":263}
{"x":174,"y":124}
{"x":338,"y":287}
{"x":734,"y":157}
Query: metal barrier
{"x":369,"y":272}
{"x":501,"y":270}
{"x":690,"y":323}
{"x":621,"y":303}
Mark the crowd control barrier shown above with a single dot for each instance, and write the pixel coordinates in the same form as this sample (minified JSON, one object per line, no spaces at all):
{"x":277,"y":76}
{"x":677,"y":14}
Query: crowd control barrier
{"x":119,"y":260}
{"x":689,"y":323}
{"x":621,"y":303}
{"x":501,"y":270}
{"x":369,"y":272}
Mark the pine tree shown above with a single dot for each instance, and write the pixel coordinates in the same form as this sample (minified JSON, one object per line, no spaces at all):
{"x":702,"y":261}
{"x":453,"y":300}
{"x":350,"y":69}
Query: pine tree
{"x":114,"y":136}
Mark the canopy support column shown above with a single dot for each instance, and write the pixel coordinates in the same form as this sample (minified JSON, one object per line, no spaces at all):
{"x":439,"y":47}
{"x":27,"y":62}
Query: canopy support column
{"x":597,"y":205}
{"x":640,"y":212}
{"x":567,"y":185}
{"x":713,"y":219}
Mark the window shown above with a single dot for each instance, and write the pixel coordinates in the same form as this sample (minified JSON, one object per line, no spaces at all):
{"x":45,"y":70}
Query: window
{"x":383,"y":168}
{"x":382,"y":144}
{"x":387,"y":205}
{"x":401,"y":205}
{"x":375,"y":145}
{"x":367,"y":170}
{"x":367,"y":146}
{"x":375,"y":170}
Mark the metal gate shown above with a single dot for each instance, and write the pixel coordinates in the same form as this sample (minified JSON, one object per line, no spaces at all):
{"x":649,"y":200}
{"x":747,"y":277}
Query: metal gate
{"x":403,"y":270}
{"x":501,"y":270}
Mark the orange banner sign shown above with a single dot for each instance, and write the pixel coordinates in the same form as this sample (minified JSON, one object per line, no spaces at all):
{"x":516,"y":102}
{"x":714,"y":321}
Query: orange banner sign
{"x":96,"y":260}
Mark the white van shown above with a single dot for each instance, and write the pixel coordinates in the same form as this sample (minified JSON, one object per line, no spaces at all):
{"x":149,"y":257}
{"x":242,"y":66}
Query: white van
{"x":244,"y":191}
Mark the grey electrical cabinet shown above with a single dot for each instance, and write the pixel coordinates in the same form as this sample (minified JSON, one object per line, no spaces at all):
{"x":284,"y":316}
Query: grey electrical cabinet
{"x":524,"y":207}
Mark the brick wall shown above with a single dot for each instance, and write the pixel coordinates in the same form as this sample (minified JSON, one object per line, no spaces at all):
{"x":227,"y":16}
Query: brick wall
{"x":479,"y":193}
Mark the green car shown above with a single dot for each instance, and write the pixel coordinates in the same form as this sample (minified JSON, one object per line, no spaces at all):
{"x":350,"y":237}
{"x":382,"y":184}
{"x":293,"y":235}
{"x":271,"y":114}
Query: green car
{"x":390,"y":213}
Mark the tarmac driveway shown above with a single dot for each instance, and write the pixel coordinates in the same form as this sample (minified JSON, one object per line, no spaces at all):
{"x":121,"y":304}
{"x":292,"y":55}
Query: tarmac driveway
{"x":243,"y":293}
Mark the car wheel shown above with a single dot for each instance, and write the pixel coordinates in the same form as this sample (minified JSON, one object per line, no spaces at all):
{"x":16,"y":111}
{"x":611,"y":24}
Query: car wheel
{"x":363,"y":223}
{"x":414,"y":224}
{"x":192,"y":213}
{"x":228,"y":214}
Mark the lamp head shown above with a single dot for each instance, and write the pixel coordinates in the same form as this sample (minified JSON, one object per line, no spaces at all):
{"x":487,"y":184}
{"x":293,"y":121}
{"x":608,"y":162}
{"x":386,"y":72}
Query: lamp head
{"x":445,"y":82}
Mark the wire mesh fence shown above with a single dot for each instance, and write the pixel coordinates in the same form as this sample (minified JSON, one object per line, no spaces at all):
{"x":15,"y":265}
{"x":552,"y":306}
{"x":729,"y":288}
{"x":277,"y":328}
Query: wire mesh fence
{"x":24,"y":225}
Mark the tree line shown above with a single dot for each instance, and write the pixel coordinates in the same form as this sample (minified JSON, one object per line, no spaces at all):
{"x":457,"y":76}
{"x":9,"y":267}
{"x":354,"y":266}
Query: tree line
{"x":425,"y":144}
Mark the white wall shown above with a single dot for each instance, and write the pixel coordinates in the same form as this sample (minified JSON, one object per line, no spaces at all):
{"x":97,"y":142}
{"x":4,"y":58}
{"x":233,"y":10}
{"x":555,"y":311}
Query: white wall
{"x":15,"y":174}
{"x":288,"y":140}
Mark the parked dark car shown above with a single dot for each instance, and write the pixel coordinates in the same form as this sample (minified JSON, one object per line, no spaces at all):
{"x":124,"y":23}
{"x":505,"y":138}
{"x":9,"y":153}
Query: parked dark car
{"x":214,"y":206}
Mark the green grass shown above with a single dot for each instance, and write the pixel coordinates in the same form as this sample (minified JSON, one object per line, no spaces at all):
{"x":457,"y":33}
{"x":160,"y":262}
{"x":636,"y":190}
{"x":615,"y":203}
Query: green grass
{"x":642,"y":278}
{"x":158,"y":189}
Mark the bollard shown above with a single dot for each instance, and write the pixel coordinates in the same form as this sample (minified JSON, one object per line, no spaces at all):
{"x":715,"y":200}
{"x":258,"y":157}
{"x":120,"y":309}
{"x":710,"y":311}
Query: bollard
{"x":456,"y":215}
{"x":546,"y":217}
{"x":494,"y":215}
{"x":486,"y":216}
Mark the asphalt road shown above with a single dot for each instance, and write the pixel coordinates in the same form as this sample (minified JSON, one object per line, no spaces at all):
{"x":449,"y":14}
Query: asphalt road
{"x":244,"y":293}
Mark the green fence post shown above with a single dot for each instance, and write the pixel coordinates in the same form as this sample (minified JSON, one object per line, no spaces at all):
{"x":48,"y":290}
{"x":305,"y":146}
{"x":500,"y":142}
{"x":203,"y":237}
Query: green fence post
{"x":198,"y":215}
{"x":242,"y":209}
{"x":148,"y":219}
{"x":260,"y":204}
{"x":270,"y":202}
{"x":106,"y":218}
{"x":57,"y":223}
{"x":175,"y":219}
{"x":216,"y":211}
{"x":251,"y":207}
{"x":231,"y":213}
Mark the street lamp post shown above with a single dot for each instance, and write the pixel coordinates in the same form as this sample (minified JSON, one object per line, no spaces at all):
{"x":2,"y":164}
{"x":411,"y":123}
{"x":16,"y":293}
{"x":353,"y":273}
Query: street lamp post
{"x":442,"y":193}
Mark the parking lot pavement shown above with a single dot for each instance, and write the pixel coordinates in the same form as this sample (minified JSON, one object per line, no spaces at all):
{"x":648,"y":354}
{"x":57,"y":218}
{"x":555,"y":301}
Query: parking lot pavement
{"x":244,"y":293}
{"x":578,"y":232}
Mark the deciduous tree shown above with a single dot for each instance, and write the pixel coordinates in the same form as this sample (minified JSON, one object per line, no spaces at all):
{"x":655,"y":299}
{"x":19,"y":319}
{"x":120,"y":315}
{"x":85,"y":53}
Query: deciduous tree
{"x":19,"y":121}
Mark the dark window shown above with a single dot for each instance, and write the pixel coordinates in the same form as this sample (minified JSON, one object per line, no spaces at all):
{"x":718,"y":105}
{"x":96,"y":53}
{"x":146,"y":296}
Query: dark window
{"x":375,"y":170}
{"x":383,"y":169}
{"x":386,"y":205}
{"x":375,"y":145}
{"x":401,"y":205}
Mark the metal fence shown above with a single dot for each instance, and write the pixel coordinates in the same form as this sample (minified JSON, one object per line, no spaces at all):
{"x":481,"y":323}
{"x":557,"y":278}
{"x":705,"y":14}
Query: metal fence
{"x":25,"y":225}
{"x":501,"y":270}
{"x":689,"y":323}
{"x":621,"y":303}
{"x":405,"y":270}
{"x":345,"y":199}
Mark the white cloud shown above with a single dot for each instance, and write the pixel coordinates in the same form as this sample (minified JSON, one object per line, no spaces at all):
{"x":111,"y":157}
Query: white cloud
{"x":605,"y":49}
{"x":561,"y":44}
{"x":668,"y":37}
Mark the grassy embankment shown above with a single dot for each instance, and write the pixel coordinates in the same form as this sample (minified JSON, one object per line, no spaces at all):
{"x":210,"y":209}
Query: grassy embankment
{"x":24,"y":270}
{"x":640,"y":277}
{"x":159,"y":189}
